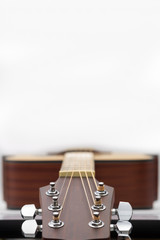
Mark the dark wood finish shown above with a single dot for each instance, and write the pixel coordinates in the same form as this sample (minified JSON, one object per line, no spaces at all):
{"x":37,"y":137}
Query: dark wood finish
{"x":76,"y":213}
{"x":134,"y":181}
{"x":22,"y":181}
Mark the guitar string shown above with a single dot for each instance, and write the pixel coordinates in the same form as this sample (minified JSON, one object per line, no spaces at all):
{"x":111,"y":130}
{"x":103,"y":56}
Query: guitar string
{"x":66,"y":192}
{"x":66,"y":175}
{"x":89,"y":185}
{"x":83,"y":188}
{"x":88,"y":182}
{"x":85,"y":193}
{"x":94,"y":179}
{"x":63,"y":182}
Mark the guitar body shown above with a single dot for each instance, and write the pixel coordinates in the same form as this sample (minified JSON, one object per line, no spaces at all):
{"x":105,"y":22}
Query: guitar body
{"x":76,"y":213}
{"x":130,"y":175}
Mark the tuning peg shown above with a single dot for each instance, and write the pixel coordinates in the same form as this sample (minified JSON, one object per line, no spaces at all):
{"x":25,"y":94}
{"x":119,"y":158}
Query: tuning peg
{"x":96,"y":222}
{"x":55,"y":206}
{"x":123,"y":229}
{"x":29,"y":211}
{"x":52,"y":191}
{"x":124,"y":211}
{"x":30,"y":228}
{"x":101,"y":190}
{"x":56,"y":222}
{"x":98,"y":206}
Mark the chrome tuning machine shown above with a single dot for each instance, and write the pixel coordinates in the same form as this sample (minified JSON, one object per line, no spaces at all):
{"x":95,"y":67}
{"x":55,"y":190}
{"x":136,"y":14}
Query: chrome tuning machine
{"x":56,"y":222}
{"x":123,"y":229}
{"x":30,"y":228}
{"x":96,"y":222}
{"x":29,"y":211}
{"x":52,"y":191}
{"x":98,"y":206}
{"x":55,"y":206}
{"x":124,"y":211}
{"x":101,"y":190}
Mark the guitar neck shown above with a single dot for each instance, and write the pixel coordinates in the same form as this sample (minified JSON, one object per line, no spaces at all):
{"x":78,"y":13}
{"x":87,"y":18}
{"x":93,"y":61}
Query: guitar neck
{"x":78,"y":163}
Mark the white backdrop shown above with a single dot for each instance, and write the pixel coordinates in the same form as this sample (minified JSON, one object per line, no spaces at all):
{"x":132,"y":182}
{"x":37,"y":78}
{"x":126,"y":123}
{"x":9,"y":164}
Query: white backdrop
{"x":79,"y":74}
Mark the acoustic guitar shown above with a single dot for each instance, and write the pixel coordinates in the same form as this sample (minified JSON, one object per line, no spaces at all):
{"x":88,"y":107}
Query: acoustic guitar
{"x":77,"y":206}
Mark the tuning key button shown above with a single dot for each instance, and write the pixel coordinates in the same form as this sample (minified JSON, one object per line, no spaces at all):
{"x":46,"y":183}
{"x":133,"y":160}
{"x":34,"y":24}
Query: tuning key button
{"x":101,"y":190}
{"x":30,"y":228}
{"x":96,"y":222}
{"x":56,"y":222}
{"x":124,"y":211}
{"x":55,"y":206}
{"x":29,"y":211}
{"x":98,"y":206}
{"x":123,"y":229}
{"x":52,"y":191}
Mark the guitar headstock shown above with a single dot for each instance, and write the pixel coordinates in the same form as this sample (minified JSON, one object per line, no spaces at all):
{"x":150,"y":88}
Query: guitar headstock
{"x":76,"y":214}
{"x":67,"y":215}
{"x":77,"y":206}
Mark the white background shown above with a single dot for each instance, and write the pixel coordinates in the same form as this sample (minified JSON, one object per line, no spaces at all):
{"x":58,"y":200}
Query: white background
{"x":79,"y":74}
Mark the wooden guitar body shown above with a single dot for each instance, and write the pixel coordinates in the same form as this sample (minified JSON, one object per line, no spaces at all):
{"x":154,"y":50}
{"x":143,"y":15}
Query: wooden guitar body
{"x":130,"y":175}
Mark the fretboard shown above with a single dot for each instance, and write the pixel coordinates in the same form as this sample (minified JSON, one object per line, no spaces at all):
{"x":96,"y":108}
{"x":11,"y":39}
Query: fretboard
{"x":76,"y":163}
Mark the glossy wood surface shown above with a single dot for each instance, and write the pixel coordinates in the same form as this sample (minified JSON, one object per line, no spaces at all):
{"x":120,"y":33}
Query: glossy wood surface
{"x":76,"y":213}
{"x":23,"y":180}
{"x":134,"y":181}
